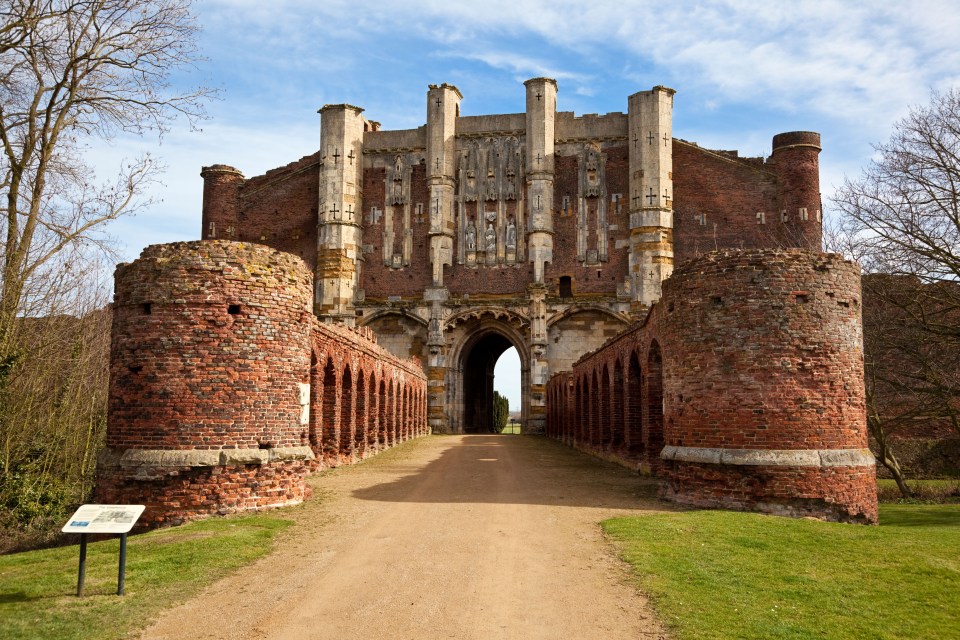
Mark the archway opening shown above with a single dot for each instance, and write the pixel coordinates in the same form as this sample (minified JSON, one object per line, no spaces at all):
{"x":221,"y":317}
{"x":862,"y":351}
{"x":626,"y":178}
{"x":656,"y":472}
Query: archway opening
{"x":507,"y":382}
{"x":478,"y":382}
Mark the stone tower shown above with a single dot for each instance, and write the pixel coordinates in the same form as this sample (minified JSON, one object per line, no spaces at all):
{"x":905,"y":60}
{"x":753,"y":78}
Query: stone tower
{"x":339,"y":234}
{"x":542,"y":230}
{"x":651,"y":192}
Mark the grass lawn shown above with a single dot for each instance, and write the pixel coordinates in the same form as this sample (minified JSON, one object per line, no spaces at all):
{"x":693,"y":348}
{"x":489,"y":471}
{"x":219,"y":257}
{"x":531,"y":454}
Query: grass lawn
{"x":38,"y":588}
{"x":719,"y":574}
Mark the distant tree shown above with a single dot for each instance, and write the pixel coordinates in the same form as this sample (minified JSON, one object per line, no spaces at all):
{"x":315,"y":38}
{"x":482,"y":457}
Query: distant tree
{"x":501,"y":412}
{"x":901,"y":221}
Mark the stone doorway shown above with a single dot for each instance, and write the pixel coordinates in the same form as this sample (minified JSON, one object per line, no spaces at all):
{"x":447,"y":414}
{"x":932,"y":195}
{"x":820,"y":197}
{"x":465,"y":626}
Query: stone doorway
{"x":470,"y":409}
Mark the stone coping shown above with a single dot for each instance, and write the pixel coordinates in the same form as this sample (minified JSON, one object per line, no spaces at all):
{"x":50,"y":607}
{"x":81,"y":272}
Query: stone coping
{"x":200,"y":457}
{"x":771,"y":457}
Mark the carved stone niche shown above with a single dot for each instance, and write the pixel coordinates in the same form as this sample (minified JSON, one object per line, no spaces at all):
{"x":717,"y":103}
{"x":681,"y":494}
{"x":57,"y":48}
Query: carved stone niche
{"x":510,"y":240}
{"x":398,"y":182}
{"x":592,"y":171}
{"x":513,"y":152}
{"x":468,"y":172}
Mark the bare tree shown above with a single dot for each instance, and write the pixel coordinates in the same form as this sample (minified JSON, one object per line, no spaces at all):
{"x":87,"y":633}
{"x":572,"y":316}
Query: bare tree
{"x":901,"y":221}
{"x":71,"y":70}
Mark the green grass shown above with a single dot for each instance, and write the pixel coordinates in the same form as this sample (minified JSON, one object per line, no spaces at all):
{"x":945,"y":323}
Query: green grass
{"x":718,"y":574}
{"x":38,"y":588}
{"x":512,"y":428}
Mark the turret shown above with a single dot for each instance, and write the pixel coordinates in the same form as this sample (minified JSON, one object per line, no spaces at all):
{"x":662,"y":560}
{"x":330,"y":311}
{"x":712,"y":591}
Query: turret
{"x":340,"y":233}
{"x":541,"y":117}
{"x":443,"y":109}
{"x":650,"y":131}
{"x":221,"y":185}
{"x":796,"y":161}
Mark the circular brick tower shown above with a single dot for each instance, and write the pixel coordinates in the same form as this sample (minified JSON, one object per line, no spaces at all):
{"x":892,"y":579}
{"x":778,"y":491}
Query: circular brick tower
{"x":209,"y":381}
{"x":796,"y":159}
{"x":221,"y":185}
{"x":763,"y":391}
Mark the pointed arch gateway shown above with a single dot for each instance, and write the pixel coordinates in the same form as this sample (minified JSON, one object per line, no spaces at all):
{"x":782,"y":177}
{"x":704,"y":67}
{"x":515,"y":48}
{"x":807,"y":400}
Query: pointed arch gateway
{"x":470,"y":379}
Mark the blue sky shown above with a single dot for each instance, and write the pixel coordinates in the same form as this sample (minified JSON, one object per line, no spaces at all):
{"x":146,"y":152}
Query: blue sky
{"x":743,"y":71}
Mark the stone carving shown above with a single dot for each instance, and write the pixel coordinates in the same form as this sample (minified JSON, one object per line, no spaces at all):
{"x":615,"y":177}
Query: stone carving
{"x":592,"y":174}
{"x":490,"y":238}
{"x":491,"y":188}
{"x":471,"y":236}
{"x":511,"y":234}
{"x":491,"y":169}
{"x":397,"y":189}
{"x":468,"y":174}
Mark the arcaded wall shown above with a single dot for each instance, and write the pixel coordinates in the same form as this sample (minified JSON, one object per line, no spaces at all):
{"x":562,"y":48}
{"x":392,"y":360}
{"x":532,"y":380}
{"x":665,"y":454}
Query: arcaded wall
{"x":745,"y":381}
{"x":210,"y":360}
{"x":218,"y":401}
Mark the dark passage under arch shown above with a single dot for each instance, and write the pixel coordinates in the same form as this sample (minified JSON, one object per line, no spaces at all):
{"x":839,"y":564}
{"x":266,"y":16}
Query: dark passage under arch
{"x":478,"y":366}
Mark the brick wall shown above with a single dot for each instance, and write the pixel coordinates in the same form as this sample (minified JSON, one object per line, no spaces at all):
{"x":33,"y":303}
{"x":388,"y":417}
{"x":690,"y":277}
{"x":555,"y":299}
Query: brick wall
{"x":742,"y":389}
{"x":217,"y":397}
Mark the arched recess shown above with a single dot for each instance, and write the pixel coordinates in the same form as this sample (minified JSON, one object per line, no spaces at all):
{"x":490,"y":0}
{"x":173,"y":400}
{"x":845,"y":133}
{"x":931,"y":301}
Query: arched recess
{"x":653,"y":414}
{"x":579,"y":412}
{"x":316,"y":405}
{"x":346,"y":413}
{"x":593,"y":405}
{"x":633,"y":405}
{"x":603,"y":399}
{"x":360,"y":416}
{"x":618,"y":423}
{"x":579,"y":330}
{"x":404,"y":335}
{"x":384,"y":431}
{"x":331,"y":411}
{"x":470,"y":380}
{"x":373,"y":414}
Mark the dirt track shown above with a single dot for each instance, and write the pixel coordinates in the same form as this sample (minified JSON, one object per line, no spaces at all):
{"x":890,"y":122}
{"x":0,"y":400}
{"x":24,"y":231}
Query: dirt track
{"x":444,"y":537}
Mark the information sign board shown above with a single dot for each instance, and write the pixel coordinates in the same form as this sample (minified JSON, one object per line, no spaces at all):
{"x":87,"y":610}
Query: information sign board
{"x":104,"y":518}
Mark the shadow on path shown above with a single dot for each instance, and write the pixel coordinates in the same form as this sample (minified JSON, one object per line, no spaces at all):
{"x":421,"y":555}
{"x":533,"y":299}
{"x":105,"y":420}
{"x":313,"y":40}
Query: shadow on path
{"x":506,"y":469}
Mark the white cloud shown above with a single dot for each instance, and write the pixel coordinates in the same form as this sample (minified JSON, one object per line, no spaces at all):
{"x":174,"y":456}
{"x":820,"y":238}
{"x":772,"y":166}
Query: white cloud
{"x":828,"y":65}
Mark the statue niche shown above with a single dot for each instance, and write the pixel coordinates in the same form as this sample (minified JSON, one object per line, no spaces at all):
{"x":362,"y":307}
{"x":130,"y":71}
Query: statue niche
{"x":468,"y":174}
{"x":592,"y":174}
{"x":490,"y":239}
{"x":470,"y":236}
{"x":398,"y":187}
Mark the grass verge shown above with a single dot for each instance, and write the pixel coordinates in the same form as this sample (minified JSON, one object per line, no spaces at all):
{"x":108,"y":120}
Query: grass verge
{"x":164,"y":567}
{"x":719,"y":574}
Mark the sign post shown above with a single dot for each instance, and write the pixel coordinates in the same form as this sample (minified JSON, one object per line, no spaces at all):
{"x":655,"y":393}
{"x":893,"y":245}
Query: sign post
{"x":103,"y":518}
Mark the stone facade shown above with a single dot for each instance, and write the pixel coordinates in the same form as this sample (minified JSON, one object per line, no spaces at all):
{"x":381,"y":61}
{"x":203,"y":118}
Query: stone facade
{"x":541,"y":230}
{"x":226,"y":391}
{"x":736,"y":375}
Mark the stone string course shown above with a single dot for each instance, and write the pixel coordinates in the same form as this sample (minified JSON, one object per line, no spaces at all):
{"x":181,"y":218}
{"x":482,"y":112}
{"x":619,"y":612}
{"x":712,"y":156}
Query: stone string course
{"x":742,"y":389}
{"x":226,"y":391}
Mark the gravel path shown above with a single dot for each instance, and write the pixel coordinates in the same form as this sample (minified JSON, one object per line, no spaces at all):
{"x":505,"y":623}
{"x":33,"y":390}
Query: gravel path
{"x":443,"y":537}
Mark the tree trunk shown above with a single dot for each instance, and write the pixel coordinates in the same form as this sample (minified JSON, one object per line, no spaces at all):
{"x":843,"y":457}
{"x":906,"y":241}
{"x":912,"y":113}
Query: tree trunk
{"x":887,"y":458}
